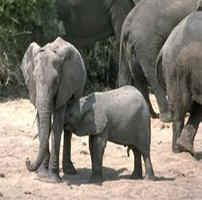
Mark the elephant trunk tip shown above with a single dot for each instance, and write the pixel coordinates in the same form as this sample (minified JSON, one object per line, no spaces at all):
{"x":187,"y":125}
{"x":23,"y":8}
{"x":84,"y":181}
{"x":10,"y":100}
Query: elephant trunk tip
{"x":29,"y":165}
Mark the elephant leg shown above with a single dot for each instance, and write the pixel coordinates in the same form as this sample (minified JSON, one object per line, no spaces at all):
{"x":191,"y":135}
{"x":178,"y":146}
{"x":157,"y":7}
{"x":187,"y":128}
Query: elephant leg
{"x":68,"y":167}
{"x":124,"y":75}
{"x":149,"y":173}
{"x":43,"y":169}
{"x":141,"y":84}
{"x":186,"y":139}
{"x":58,"y":124}
{"x":177,"y":128}
{"x":118,"y":12}
{"x":97,"y":146}
{"x":160,"y":94}
{"x":137,"y":172}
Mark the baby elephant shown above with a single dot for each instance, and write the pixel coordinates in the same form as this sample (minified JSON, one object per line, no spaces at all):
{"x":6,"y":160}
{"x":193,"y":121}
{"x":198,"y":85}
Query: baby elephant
{"x":120,"y":116}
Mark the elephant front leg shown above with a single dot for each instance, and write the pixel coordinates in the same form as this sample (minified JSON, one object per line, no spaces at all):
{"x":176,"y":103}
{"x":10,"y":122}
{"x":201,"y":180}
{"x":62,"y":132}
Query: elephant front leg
{"x":137,"y":172}
{"x":58,"y":124}
{"x":96,"y":145}
{"x":68,"y":167}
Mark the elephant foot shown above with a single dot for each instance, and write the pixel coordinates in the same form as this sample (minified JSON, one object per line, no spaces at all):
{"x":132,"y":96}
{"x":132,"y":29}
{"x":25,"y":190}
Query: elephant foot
{"x":165,"y":117}
{"x":42,"y":172}
{"x":54,"y":177}
{"x":136,"y":176}
{"x":150,"y":177}
{"x":177,"y":149}
{"x":69,"y":169}
{"x":49,"y":179}
{"x":185,"y":141}
{"x":185,"y":146}
{"x":96,"y":179}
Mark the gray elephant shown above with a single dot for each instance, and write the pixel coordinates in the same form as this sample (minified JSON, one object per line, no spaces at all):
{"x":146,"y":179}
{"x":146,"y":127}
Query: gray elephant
{"x":54,"y":74}
{"x":104,"y":17}
{"x":88,"y":21}
{"x":120,"y":116}
{"x":179,"y":71}
{"x":144,"y":32}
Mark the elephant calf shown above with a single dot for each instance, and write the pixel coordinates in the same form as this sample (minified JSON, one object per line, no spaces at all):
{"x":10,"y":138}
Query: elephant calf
{"x":120,"y":116}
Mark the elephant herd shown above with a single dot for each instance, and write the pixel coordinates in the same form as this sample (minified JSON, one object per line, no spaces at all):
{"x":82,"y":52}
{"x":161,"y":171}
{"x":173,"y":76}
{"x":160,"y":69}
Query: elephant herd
{"x":160,"y":47}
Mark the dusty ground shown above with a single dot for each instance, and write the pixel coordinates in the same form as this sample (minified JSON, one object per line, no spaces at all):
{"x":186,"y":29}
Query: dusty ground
{"x":180,"y":175}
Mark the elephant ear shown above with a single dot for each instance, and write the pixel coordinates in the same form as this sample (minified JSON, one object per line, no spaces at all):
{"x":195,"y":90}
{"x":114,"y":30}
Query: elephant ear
{"x":27,"y":68}
{"x":94,"y":119}
{"x":72,"y":74}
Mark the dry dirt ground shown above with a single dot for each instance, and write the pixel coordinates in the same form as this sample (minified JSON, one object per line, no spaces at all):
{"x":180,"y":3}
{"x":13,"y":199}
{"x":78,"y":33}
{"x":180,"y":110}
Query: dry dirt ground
{"x":180,"y":175}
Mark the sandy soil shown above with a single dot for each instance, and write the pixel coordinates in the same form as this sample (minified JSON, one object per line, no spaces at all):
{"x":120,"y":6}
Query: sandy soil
{"x":180,"y":175}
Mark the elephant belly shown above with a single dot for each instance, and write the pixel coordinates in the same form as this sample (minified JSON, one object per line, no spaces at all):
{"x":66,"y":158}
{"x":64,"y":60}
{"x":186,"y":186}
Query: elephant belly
{"x":124,"y":135}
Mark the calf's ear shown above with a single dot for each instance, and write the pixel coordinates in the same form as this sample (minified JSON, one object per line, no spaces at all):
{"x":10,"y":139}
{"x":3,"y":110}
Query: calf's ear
{"x":93,"y":118}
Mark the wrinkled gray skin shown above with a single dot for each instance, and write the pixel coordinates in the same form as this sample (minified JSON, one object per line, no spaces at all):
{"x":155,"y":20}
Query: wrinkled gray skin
{"x":179,"y":70}
{"x":54,"y":74}
{"x":104,"y":17}
{"x":120,"y":116}
{"x":144,"y":32}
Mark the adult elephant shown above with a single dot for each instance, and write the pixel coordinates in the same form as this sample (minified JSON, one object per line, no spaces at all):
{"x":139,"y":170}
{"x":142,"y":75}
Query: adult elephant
{"x":87,"y":21}
{"x":144,"y":32}
{"x":179,"y":70}
{"x":54,"y":75}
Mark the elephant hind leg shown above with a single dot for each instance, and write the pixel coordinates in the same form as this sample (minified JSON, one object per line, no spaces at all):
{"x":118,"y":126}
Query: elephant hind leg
{"x":140,"y":82}
{"x":186,"y":139}
{"x":137,"y":172}
{"x":149,"y":72}
{"x":149,"y":173}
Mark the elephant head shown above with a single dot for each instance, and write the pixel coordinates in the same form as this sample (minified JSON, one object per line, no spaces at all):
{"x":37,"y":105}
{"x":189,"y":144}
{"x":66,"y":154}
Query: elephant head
{"x":53,"y":74}
{"x":86,"y":117}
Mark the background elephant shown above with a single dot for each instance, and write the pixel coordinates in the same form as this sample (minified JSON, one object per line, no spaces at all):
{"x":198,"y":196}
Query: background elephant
{"x":87,"y":21}
{"x":179,"y":70}
{"x":54,"y":74}
{"x":120,"y":116}
{"x":144,"y":31}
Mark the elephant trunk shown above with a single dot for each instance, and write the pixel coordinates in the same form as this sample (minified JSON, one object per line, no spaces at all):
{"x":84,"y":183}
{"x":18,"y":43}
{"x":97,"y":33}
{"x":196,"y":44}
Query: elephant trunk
{"x":44,"y":133}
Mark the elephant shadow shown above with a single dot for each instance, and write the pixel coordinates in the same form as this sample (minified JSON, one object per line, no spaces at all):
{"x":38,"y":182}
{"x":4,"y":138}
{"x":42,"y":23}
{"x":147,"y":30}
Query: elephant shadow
{"x":109,"y":174}
{"x":83,"y":175}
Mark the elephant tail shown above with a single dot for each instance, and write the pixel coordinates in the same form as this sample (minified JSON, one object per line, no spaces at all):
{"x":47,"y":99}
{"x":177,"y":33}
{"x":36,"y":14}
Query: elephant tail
{"x":159,"y":70}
